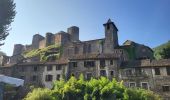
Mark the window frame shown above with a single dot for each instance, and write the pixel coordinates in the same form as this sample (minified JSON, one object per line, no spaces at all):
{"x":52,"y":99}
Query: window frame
{"x":34,"y":78}
{"x":87,"y":75}
{"x":58,"y":67}
{"x":165,"y":89}
{"x":111,"y":62}
{"x":157,"y":72}
{"x":35,"y":67}
{"x":49,"y":67}
{"x":168,"y":70}
{"x":89,"y":64}
{"x":58,"y":78}
{"x":47,"y":79}
{"x":111,"y":72}
{"x":103,"y":73}
{"x":144,"y":83}
{"x":74,"y":64}
{"x":130,"y":85}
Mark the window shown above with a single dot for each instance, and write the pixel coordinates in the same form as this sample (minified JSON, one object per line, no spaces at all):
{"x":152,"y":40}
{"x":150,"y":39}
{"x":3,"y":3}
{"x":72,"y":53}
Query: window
{"x":129,"y":72}
{"x":58,"y":67}
{"x":138,"y":71}
{"x":112,"y":73}
{"x":22,"y":69}
{"x":89,"y":48}
{"x":58,"y":77}
{"x":132,"y":84}
{"x":89,"y":63}
{"x":34,"y":78}
{"x":48,"y":78}
{"x":102,"y":72}
{"x":84,"y":48}
{"x":76,"y":50}
{"x":108,"y":26}
{"x":166,"y":88}
{"x":49,"y":67}
{"x":102,"y":63}
{"x":88,"y":76}
{"x":111,"y":62}
{"x":157,"y":71}
{"x":144,"y":85}
{"x":168,"y":70}
{"x":73,"y":64}
{"x":35,"y":68}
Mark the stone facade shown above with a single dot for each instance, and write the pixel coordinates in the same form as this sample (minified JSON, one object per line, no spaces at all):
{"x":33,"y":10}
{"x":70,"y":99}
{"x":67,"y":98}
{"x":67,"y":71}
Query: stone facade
{"x":131,"y":62}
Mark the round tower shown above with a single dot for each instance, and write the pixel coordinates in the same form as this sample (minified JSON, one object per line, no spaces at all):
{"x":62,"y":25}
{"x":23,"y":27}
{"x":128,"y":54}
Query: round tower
{"x":49,"y":39}
{"x":18,"y":48}
{"x":74,"y":33}
{"x":35,"y":41}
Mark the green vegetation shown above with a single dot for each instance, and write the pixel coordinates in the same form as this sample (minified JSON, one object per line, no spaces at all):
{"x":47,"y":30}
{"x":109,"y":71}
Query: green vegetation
{"x":52,"y":51}
{"x":162,"y":51}
{"x":94,"y":89}
{"x":130,"y":50}
{"x":7,"y":14}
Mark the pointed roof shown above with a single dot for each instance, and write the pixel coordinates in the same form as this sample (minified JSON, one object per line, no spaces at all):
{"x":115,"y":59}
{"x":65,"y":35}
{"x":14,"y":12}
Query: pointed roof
{"x":110,"y":22}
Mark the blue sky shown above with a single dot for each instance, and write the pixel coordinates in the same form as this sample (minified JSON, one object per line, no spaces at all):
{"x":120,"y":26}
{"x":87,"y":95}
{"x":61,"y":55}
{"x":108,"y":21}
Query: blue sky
{"x":143,"y":21}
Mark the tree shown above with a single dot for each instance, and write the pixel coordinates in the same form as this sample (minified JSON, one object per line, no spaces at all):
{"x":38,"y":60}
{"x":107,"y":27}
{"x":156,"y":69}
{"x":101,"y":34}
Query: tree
{"x":94,"y":89}
{"x":7,"y":14}
{"x":165,"y":53}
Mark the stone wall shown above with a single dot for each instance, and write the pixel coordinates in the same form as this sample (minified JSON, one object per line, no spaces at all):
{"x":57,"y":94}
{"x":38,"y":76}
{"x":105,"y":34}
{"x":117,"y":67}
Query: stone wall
{"x":54,"y":72}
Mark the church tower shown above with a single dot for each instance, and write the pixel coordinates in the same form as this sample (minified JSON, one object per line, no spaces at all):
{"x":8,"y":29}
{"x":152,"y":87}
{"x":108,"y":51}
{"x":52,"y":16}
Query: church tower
{"x":111,"y":38}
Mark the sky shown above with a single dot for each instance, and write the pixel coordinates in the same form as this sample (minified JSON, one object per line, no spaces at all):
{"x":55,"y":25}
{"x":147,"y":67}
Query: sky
{"x":143,"y":21}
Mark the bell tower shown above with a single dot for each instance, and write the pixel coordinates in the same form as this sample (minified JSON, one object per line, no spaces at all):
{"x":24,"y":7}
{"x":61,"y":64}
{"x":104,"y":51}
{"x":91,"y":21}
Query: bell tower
{"x":111,"y":37}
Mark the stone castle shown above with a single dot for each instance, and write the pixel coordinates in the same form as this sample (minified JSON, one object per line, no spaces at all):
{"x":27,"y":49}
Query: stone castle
{"x":132,"y":62}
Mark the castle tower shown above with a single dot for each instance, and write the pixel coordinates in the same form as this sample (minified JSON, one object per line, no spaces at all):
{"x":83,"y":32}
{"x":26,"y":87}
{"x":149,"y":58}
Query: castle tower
{"x":49,"y":39}
{"x":35,"y":41}
{"x":111,"y":38}
{"x":18,"y":49}
{"x":74,"y":33}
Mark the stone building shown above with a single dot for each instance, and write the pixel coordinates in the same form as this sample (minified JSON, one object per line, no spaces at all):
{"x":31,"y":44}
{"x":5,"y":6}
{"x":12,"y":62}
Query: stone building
{"x":132,"y":62}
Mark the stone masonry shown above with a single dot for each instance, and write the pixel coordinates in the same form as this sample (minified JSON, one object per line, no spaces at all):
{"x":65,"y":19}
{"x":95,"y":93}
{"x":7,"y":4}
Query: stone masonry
{"x":131,"y":62}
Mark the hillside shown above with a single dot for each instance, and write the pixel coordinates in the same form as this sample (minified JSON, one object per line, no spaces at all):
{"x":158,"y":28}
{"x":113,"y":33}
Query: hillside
{"x":159,"y":49}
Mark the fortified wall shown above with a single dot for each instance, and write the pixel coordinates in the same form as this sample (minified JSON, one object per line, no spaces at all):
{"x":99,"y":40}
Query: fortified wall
{"x":39,"y":41}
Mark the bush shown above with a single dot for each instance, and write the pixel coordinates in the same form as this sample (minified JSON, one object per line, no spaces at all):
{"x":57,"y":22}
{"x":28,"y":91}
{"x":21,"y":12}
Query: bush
{"x":94,"y":89}
{"x":40,"y":94}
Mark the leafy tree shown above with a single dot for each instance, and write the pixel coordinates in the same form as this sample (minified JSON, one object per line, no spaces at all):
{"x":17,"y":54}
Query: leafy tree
{"x":94,"y":89}
{"x":162,"y":51}
{"x":7,"y":14}
{"x":165,"y":53}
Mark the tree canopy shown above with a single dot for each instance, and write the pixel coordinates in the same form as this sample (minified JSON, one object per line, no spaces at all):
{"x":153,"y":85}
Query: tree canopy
{"x":7,"y":14}
{"x":165,"y":53}
{"x":162,"y":51}
{"x":94,"y":89}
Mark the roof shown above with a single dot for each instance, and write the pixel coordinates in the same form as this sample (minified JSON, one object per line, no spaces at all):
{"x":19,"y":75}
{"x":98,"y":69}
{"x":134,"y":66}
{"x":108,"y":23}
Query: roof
{"x":60,"y":61}
{"x":110,"y":22}
{"x":146,"y":63}
{"x":93,"y":56}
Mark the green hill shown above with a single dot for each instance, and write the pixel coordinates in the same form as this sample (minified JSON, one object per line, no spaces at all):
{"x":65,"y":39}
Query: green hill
{"x":159,"y":49}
